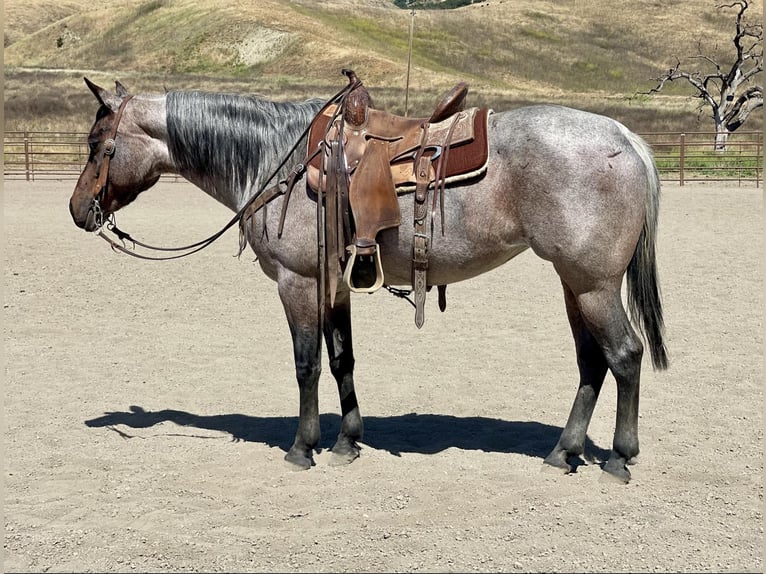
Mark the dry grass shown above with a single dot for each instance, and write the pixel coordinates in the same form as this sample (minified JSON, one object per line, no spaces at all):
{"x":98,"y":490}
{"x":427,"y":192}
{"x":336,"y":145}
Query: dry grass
{"x":593,"y":55}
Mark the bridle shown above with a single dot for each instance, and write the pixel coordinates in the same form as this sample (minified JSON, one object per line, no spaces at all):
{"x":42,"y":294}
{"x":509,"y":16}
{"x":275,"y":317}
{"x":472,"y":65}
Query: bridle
{"x":102,"y":181}
{"x":254,"y":204}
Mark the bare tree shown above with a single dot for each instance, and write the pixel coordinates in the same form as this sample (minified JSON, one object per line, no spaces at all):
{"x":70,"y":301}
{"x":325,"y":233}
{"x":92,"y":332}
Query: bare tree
{"x":731,"y":95}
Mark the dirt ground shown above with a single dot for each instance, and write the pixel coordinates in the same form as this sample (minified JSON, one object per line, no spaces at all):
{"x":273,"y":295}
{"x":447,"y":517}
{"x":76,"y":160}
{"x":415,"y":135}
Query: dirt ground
{"x":148,"y":407}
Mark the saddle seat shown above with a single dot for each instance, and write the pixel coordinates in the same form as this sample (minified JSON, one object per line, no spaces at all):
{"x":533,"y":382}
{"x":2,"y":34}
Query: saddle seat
{"x":467,"y":143}
{"x":366,"y":157}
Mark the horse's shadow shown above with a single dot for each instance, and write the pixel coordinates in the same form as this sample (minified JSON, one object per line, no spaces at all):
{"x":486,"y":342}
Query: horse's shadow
{"x":411,"y":433}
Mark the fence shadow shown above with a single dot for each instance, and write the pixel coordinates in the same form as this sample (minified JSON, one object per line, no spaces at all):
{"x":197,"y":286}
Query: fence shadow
{"x":408,"y":433}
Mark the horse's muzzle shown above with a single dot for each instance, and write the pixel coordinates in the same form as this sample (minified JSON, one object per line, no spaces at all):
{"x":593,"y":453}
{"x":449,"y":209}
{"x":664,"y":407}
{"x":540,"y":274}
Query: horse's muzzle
{"x":84,"y":218}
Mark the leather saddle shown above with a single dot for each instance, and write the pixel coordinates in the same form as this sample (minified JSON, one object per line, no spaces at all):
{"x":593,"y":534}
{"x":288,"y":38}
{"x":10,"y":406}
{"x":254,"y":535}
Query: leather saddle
{"x":366,"y":157}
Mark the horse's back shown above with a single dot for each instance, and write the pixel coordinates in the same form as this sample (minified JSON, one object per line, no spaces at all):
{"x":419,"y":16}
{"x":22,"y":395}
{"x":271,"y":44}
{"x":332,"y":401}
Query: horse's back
{"x":565,"y":145}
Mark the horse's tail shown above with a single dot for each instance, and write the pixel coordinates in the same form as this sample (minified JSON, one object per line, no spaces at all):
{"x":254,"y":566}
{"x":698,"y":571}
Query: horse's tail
{"x":644,"y":301}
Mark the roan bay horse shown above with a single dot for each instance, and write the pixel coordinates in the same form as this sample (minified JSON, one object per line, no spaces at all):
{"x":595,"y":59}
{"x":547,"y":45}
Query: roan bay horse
{"x":578,"y":189}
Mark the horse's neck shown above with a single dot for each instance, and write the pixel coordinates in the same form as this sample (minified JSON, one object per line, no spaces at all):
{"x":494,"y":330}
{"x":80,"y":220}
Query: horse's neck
{"x":145,"y":127}
{"x":229,"y":145}
{"x":150,"y":116}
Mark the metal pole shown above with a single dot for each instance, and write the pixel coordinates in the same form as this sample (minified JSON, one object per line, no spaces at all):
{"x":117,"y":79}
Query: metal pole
{"x":26,"y":154}
{"x":409,"y":64}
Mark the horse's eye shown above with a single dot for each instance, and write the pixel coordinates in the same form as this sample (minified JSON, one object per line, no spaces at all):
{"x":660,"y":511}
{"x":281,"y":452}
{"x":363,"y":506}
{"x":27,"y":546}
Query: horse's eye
{"x":93,"y":145}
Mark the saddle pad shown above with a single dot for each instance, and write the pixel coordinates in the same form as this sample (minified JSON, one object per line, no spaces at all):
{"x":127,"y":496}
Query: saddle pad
{"x":464,"y":160}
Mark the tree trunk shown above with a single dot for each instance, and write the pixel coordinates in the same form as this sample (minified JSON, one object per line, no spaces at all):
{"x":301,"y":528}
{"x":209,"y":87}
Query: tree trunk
{"x":721,"y":137}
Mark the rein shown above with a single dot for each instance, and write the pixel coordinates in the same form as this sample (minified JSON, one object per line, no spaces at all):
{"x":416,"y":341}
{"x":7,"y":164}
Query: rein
{"x":255,"y":203}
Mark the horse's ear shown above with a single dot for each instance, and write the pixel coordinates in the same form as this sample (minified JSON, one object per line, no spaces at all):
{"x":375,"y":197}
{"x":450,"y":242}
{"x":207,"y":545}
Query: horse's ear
{"x":122,"y":91}
{"x":99,"y":92}
{"x":104,"y":98}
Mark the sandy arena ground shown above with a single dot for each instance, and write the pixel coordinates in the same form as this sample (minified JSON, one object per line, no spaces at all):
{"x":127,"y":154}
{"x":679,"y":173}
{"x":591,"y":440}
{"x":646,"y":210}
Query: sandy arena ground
{"x":148,"y":407}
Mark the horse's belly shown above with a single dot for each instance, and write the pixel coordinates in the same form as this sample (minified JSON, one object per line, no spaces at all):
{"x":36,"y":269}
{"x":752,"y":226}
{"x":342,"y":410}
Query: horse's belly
{"x":450,"y":259}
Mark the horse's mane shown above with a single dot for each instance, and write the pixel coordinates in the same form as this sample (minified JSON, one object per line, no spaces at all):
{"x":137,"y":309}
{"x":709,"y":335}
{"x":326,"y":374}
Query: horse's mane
{"x":234,"y":142}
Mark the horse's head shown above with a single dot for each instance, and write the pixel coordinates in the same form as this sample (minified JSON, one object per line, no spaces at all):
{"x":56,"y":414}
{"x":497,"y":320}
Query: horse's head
{"x":119,"y":164}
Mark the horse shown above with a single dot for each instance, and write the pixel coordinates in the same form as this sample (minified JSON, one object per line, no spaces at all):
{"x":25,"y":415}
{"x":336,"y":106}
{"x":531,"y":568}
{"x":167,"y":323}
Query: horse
{"x":578,"y":189}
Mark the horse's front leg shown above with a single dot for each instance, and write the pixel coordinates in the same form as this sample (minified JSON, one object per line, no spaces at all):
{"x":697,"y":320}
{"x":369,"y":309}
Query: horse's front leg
{"x":337,"y":332}
{"x":299,"y":298}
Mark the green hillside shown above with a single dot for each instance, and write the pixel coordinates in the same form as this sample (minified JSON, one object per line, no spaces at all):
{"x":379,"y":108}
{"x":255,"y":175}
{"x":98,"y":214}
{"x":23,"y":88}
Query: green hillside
{"x":593,"y":55}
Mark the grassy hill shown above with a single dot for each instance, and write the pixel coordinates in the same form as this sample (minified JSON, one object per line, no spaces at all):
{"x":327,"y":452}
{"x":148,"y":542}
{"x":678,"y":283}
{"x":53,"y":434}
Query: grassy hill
{"x":592,"y":55}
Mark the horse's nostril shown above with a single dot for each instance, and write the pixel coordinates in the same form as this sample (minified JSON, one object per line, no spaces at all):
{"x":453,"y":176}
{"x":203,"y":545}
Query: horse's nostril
{"x":78,"y":220}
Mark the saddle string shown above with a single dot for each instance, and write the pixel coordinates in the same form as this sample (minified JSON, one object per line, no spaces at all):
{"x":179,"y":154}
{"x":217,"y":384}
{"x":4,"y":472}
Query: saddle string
{"x":301,"y":167}
{"x":256,"y":202}
{"x":441,"y":176}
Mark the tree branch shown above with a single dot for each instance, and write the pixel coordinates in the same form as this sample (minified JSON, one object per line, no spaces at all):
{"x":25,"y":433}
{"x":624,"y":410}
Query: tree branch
{"x":732,"y":96}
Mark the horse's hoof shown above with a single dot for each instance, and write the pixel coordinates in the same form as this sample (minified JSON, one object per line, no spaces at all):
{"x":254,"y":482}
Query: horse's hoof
{"x":557,"y":462}
{"x":343,"y":458}
{"x":344,"y":452}
{"x":299,"y":461}
{"x":546,"y":468}
{"x":615,"y":472}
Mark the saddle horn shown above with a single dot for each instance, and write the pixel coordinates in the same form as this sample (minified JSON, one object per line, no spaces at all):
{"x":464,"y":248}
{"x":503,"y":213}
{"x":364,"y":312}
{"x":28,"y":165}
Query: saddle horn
{"x":357,"y":101}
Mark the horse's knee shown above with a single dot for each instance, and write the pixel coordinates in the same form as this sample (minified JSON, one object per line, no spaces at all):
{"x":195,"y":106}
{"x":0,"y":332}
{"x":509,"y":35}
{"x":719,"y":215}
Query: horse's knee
{"x":307,"y":376}
{"x":307,"y":371}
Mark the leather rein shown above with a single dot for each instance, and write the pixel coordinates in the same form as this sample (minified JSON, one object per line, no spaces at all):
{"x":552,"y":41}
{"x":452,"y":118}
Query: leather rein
{"x":254,"y":204}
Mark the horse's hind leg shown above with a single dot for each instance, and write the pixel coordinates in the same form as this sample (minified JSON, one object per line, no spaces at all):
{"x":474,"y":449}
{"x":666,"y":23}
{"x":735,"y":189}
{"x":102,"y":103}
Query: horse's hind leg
{"x":593,"y":368}
{"x":337,"y":332}
{"x":603,"y":338}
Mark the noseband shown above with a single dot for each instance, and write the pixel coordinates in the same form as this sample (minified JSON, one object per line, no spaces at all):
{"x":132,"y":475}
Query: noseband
{"x":102,"y":181}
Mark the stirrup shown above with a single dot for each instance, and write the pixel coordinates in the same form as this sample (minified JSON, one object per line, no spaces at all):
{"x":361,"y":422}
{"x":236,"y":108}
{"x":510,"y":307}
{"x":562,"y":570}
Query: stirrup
{"x":352,"y":250}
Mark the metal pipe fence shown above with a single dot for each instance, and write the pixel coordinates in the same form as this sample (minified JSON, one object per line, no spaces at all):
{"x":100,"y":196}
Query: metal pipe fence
{"x":43,"y":155}
{"x":692,"y":157}
{"x":47,"y":155}
{"x":680,"y":157}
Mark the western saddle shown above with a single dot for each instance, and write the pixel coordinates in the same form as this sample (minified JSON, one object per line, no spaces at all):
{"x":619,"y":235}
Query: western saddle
{"x":362,"y":158}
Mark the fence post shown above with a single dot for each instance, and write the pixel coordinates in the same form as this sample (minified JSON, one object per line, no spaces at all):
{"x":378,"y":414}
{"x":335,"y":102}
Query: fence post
{"x":26,"y":154}
{"x":682,"y":159}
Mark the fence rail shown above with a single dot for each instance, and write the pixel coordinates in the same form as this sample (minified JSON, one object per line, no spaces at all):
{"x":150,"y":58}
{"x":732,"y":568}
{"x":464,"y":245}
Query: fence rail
{"x":47,"y":155}
{"x":687,"y":157}
{"x":680,"y":157}
{"x":44,"y":155}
